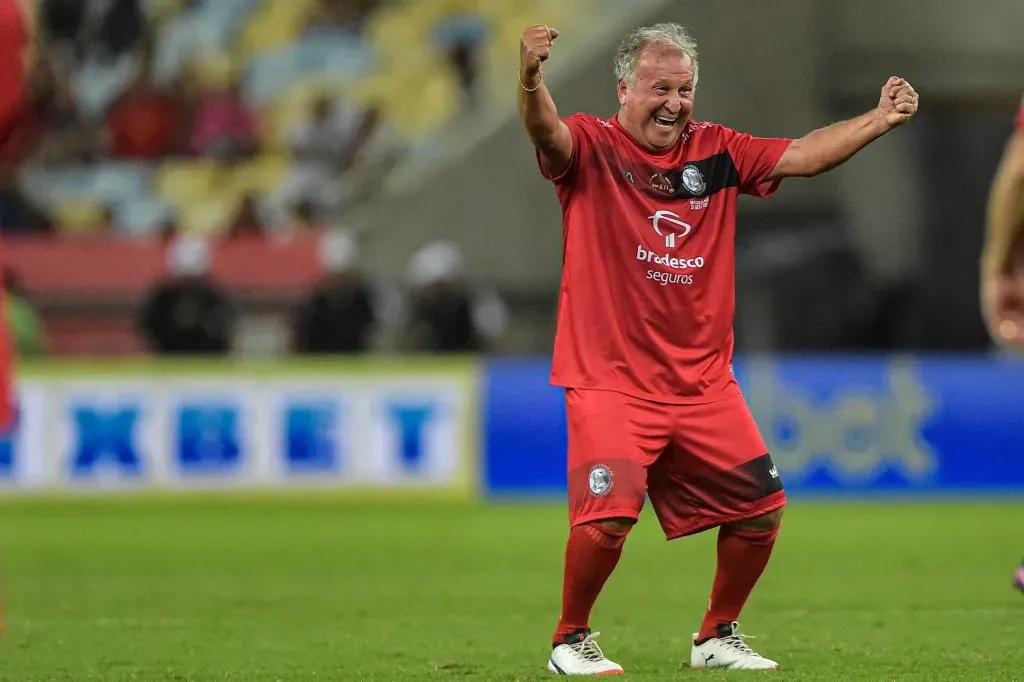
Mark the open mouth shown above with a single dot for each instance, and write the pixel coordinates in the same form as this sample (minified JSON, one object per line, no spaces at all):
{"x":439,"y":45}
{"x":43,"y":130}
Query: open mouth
{"x":663,"y":122}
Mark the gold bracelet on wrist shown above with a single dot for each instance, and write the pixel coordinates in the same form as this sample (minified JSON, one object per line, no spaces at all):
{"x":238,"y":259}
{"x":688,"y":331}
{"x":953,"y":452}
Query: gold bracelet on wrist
{"x":519,"y":77}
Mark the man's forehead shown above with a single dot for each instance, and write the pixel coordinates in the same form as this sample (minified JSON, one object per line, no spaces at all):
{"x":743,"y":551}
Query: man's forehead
{"x":661,"y":60}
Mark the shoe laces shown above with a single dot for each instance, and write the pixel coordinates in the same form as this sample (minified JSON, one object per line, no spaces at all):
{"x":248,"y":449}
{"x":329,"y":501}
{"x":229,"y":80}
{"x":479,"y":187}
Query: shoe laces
{"x":587,"y":649}
{"x":737,"y":642}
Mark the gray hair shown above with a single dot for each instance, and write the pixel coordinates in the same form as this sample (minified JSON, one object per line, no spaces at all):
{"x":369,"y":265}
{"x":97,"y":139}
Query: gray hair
{"x":639,"y":39}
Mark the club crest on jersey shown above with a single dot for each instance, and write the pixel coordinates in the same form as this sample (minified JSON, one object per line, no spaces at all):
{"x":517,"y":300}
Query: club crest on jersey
{"x":600,"y":480}
{"x":693,"y":179}
{"x":660,"y":183}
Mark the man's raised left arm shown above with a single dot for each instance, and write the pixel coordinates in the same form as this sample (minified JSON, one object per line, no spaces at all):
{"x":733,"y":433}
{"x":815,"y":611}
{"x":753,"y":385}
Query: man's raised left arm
{"x":826,"y":148}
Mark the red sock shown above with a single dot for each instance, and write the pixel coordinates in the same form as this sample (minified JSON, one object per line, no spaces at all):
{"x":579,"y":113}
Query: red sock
{"x":590,"y":557}
{"x":742,"y":556}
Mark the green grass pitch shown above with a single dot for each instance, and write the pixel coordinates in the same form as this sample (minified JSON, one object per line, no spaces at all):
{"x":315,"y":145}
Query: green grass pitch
{"x":315,"y":587}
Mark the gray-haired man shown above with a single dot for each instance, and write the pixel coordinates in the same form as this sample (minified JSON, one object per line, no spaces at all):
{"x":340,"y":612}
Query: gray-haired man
{"x":644,"y":341}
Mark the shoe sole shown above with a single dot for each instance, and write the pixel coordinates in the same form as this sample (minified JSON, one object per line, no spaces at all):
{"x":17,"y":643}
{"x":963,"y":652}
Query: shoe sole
{"x":555,"y":670}
{"x":704,"y":667}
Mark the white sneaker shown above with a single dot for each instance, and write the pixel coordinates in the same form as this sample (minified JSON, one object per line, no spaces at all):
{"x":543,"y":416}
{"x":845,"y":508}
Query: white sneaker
{"x":580,"y":655}
{"x":728,"y":650}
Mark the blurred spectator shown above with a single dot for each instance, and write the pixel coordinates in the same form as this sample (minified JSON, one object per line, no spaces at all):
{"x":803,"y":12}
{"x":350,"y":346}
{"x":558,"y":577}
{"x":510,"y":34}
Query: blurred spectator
{"x":340,"y":15}
{"x":445,"y":315}
{"x":145,"y":122}
{"x":61,"y":20}
{"x":226,"y":127}
{"x":106,"y":226}
{"x":460,"y":37}
{"x":56,"y":134}
{"x":327,"y":133}
{"x":462,"y":55}
{"x":324,"y":146}
{"x":112,"y":43}
{"x":247,"y":221}
{"x":339,"y":316}
{"x":169,"y":230}
{"x":100,"y":29}
{"x":18,"y":215}
{"x":187,"y":313}
{"x":303,"y":219}
{"x":113,"y":28}
{"x":25,"y":324}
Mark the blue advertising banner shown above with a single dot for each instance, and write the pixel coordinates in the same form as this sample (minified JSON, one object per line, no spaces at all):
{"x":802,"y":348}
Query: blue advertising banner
{"x":834,"y":425}
{"x":173,"y":426}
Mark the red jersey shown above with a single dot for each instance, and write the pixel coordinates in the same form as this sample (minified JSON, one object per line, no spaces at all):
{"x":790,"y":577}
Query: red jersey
{"x":1020,"y":117}
{"x":647,"y":300}
{"x":14,"y":41}
{"x":15,"y":38}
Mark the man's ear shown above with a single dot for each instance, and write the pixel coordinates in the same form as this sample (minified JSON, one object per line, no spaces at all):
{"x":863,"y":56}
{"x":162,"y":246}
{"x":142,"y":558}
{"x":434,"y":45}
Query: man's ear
{"x":622,"y":90}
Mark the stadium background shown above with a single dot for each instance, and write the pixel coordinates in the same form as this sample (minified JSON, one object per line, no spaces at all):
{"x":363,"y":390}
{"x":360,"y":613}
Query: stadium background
{"x":859,"y":340}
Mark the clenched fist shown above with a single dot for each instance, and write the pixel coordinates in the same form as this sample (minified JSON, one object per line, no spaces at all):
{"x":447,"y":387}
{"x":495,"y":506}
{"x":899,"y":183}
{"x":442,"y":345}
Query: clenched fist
{"x":898,"y":102}
{"x":534,"y":49}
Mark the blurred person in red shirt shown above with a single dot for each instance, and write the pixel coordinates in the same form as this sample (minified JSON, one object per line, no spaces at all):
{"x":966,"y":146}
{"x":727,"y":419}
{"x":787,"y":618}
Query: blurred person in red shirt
{"x":1002,"y":257}
{"x":17,"y":57}
{"x":145,"y":122}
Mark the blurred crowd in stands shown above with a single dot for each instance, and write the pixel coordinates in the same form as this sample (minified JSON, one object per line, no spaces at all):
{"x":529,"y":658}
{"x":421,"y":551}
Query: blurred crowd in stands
{"x":181,"y":121}
{"x":219,"y":117}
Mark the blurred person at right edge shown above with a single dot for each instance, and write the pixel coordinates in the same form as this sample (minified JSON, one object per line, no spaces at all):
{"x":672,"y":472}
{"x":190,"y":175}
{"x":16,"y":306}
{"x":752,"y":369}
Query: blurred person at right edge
{"x":1002,"y":257}
{"x":17,"y":56}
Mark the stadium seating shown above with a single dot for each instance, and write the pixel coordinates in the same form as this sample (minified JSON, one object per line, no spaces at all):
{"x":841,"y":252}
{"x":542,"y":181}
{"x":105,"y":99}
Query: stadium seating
{"x":397,"y":62}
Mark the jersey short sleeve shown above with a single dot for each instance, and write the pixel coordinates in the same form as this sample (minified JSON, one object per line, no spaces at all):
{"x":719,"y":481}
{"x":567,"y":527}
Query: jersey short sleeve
{"x":1020,"y":117}
{"x":580,"y":127}
{"x":755,"y":158}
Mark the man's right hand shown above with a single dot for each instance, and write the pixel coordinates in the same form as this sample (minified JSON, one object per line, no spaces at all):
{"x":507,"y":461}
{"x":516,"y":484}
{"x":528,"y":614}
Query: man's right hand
{"x":547,"y":131}
{"x":534,"y":49}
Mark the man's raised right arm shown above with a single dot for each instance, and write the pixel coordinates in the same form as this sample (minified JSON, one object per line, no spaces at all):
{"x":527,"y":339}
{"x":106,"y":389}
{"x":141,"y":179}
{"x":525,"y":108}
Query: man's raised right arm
{"x":548,"y":133}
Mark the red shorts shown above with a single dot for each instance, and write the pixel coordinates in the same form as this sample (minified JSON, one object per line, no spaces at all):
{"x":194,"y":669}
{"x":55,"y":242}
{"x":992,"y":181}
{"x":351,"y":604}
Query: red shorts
{"x":701,"y":465}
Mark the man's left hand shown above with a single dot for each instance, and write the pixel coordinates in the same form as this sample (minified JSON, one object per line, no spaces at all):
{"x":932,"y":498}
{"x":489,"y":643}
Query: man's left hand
{"x":898,"y":102}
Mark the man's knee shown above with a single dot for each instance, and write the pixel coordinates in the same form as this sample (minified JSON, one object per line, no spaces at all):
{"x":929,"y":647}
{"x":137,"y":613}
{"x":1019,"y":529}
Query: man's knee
{"x":766,"y":522}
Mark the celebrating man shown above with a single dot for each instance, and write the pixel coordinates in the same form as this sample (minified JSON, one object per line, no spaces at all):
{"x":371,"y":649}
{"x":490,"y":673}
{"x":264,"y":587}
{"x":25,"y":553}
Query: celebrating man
{"x":644,"y":337}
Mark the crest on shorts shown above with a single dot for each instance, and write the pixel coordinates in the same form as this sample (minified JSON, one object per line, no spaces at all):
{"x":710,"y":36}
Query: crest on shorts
{"x":600,"y":479}
{"x":693,"y":179}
